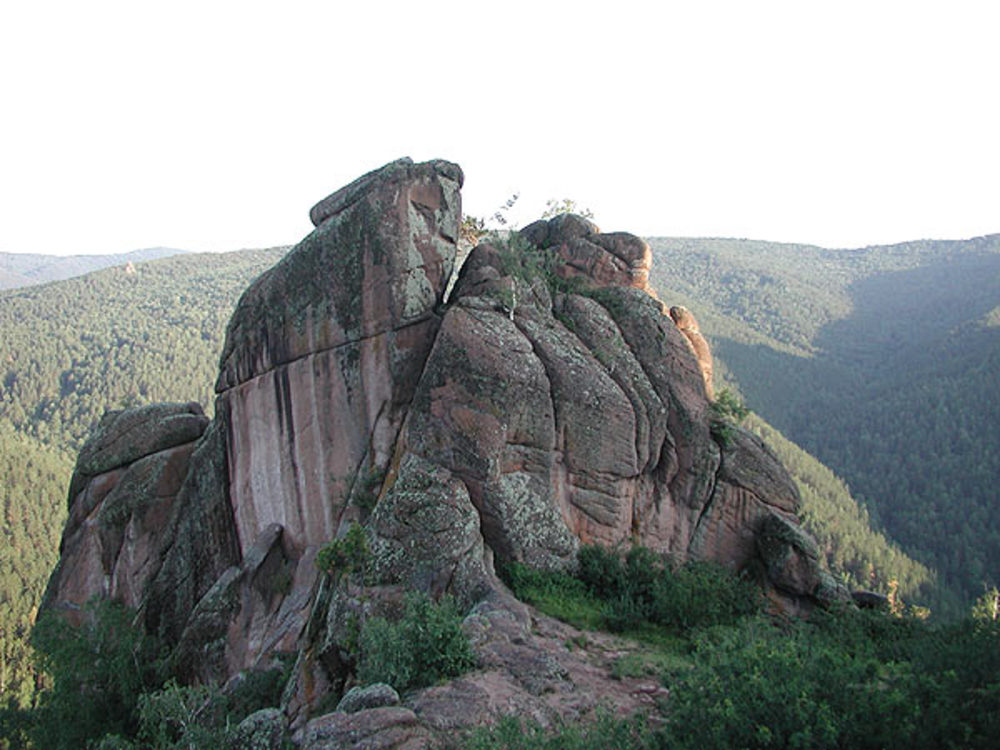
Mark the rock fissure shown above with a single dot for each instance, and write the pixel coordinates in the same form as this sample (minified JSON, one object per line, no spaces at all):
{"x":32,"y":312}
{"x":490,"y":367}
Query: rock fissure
{"x":331,"y":349}
{"x":707,"y":508}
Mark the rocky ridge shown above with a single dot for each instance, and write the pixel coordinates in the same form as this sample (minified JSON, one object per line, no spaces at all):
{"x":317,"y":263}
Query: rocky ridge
{"x":550,"y":400}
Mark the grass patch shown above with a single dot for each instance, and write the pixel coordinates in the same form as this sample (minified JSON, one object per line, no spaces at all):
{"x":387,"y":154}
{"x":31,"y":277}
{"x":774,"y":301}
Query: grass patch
{"x":639,"y":594}
{"x":607,"y":732}
{"x":558,"y":595}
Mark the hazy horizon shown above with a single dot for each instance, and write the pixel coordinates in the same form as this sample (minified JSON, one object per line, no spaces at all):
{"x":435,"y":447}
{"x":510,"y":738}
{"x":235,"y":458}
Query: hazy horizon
{"x":216,"y":127}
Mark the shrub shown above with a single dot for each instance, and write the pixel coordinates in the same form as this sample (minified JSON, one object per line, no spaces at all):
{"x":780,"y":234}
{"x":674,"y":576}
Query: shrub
{"x":193,"y":717}
{"x":755,"y":686}
{"x":257,"y":689}
{"x":728,"y":411}
{"x":612,"y":299}
{"x":701,"y":594}
{"x":346,"y":555}
{"x":644,"y":588}
{"x":601,"y":571}
{"x":727,"y":405}
{"x":368,"y":490}
{"x":426,"y":645}
{"x":724,"y":432}
{"x":108,"y":688}
{"x":957,"y":685}
{"x":532,"y":265}
{"x":630,"y":665}
{"x":189,"y":717}
{"x":98,"y":671}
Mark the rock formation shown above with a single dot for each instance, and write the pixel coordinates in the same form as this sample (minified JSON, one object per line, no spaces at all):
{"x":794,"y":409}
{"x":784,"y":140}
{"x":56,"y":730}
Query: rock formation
{"x":551,"y":400}
{"x":685,"y":320}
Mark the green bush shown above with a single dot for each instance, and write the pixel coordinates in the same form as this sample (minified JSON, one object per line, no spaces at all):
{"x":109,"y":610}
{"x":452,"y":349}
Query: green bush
{"x":601,"y":570}
{"x":188,"y":717}
{"x":700,"y":594}
{"x":957,"y":685}
{"x":257,"y":689}
{"x":873,"y":632}
{"x":346,"y":555}
{"x":728,"y":411}
{"x":727,"y":405}
{"x":98,"y":672}
{"x":846,"y":679}
{"x":643,"y":588}
{"x":108,"y":692}
{"x":426,"y":645}
{"x":530,"y":265}
{"x":181,"y":717}
{"x":755,"y":686}
{"x":198,"y":717}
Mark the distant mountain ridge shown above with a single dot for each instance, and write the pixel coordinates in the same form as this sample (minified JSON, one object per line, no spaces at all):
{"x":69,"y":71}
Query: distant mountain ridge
{"x":27,"y":269}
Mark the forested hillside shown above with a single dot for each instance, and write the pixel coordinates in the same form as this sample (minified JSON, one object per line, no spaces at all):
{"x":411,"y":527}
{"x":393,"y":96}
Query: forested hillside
{"x":72,"y":349}
{"x":861,"y":555}
{"x":881,"y":362}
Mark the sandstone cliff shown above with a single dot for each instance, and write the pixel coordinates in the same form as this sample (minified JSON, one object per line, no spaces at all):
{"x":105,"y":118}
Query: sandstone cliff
{"x":551,"y":400}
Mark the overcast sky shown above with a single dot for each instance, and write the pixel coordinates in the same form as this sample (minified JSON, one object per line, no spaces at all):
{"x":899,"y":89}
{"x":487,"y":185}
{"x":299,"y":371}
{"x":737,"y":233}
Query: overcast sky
{"x":216,"y":125}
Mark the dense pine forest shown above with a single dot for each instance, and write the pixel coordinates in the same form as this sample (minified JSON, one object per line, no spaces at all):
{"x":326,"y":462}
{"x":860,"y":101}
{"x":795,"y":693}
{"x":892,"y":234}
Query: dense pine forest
{"x":113,"y":338}
{"x":882,"y":363}
{"x":32,"y":485}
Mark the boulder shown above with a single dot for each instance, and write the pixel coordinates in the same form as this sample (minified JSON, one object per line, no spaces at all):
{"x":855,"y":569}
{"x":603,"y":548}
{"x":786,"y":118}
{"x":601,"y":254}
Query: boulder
{"x":870,"y":600}
{"x":123,"y":436}
{"x":261,"y":730}
{"x":569,"y":416}
{"x":790,"y":556}
{"x":386,"y":728}
{"x":123,"y":492}
{"x":425,"y":534}
{"x":370,"y":696}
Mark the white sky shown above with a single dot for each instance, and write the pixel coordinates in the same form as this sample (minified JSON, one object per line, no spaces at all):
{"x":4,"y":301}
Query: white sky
{"x":217,"y":125}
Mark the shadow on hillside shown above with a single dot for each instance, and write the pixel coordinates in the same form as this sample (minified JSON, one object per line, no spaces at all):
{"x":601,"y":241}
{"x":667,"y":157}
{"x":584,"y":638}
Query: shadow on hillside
{"x":900,"y":401}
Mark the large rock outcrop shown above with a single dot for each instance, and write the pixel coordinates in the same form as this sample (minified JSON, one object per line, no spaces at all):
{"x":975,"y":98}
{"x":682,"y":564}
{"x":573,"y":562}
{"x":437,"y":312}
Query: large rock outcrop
{"x":551,"y":400}
{"x":123,"y":490}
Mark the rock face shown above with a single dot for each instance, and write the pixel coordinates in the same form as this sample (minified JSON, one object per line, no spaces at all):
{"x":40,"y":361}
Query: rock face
{"x":685,"y":320}
{"x":123,"y":491}
{"x":324,"y":350}
{"x":552,"y":400}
